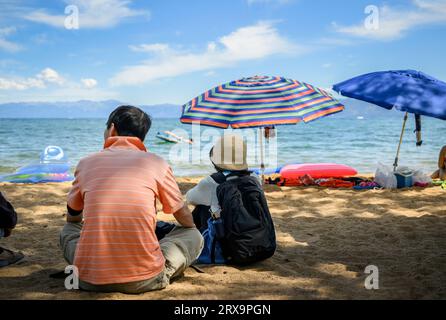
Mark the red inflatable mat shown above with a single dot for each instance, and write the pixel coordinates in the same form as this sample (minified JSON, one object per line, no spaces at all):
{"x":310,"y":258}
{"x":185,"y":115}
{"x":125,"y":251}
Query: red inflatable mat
{"x":317,"y":171}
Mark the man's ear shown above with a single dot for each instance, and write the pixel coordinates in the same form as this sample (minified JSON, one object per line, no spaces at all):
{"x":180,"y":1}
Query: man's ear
{"x":112,"y":131}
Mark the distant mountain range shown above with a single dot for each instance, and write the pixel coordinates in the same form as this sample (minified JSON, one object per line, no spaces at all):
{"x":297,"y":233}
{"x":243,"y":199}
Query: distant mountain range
{"x":79,"y":109}
{"x":356,"y":108}
{"x":101,"y":109}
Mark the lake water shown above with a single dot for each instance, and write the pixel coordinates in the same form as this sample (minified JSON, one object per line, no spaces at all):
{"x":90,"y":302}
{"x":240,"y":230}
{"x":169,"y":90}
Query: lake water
{"x":358,"y":143}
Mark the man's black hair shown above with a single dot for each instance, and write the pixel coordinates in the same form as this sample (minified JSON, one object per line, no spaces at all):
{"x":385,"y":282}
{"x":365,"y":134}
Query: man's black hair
{"x":130,"y":121}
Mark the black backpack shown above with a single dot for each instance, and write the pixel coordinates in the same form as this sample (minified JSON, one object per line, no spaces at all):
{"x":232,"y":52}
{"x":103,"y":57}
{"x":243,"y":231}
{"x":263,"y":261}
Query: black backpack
{"x":249,"y":234}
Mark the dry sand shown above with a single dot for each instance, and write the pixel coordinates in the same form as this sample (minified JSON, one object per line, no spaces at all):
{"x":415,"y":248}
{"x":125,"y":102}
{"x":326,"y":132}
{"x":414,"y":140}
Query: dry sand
{"x":326,"y":238}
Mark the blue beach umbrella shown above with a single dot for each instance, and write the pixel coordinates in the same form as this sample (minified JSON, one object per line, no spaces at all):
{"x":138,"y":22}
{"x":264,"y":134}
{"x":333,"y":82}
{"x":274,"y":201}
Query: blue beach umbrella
{"x":405,"y":90}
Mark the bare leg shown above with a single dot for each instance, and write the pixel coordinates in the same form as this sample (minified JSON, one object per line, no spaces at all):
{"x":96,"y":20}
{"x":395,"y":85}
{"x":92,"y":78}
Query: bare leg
{"x":436,"y":175}
{"x":442,"y":174}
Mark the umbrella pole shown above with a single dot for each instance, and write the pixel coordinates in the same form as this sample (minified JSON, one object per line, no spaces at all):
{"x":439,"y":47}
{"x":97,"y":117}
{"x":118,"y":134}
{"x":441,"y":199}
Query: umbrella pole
{"x":262,"y":164}
{"x":395,"y":165}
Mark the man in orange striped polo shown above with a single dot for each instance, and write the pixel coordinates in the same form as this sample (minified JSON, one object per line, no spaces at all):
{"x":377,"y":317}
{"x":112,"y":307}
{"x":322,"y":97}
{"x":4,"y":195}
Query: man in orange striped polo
{"x":110,"y":231}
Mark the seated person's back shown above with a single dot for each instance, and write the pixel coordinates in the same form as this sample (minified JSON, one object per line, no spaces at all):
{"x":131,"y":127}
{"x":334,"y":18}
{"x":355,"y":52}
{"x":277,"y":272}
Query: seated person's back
{"x":232,"y":208}
{"x":228,"y":157}
{"x":117,"y":189}
{"x":114,"y":193}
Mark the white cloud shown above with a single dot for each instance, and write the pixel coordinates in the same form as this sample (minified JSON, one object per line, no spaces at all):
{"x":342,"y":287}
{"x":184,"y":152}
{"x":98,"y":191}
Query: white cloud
{"x":248,"y":43}
{"x":92,"y":13}
{"x":5,"y":44}
{"x":48,"y":85}
{"x":40,"y":81}
{"x":155,"y":47}
{"x":51,"y":76}
{"x":43,"y":80}
{"x":7,"y":31}
{"x":89,"y":83}
{"x":21,"y":84}
{"x":394,"y":22}
{"x":254,"y":42}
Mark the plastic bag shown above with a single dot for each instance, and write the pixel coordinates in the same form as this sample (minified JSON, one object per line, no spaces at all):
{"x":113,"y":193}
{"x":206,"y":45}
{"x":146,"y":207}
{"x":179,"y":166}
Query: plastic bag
{"x":385,"y":177}
{"x":419,"y":176}
{"x":405,"y":171}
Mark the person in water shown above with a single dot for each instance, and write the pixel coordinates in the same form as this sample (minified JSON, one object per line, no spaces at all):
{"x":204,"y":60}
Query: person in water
{"x":270,"y":132}
{"x":8,"y":221}
{"x":111,"y":235}
{"x":441,"y":172}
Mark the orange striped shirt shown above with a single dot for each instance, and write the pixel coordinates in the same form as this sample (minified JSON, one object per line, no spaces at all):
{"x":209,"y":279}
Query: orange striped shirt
{"x":116,"y":189}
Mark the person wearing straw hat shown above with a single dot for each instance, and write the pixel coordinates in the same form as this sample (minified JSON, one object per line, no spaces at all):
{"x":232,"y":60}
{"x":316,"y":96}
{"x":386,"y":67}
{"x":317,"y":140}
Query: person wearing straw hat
{"x":229,"y":157}
{"x":441,"y":172}
{"x":231,"y":209}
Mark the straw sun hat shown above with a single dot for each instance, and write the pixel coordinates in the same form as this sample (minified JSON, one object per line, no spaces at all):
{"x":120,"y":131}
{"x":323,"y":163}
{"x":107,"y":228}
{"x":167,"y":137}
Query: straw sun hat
{"x":229,"y":153}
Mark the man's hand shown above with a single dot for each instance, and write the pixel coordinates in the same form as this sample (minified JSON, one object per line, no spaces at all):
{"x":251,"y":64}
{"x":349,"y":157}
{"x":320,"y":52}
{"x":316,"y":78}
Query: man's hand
{"x":184,"y":217}
{"x":70,"y":218}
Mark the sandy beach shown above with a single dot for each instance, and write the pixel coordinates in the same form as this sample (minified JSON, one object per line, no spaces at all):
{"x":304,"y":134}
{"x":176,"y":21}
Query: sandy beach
{"x":326,"y":238}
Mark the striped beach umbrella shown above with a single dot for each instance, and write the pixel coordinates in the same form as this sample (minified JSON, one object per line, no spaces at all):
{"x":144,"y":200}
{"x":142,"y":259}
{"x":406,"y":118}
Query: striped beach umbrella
{"x":260,"y":102}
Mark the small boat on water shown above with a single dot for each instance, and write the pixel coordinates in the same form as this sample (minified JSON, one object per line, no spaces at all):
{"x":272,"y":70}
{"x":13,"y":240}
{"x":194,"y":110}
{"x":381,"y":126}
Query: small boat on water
{"x":170,"y":137}
{"x":166,"y":138}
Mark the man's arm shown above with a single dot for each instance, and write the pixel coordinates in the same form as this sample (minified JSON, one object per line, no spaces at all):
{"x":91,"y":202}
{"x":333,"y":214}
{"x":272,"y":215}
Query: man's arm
{"x":75,"y":201}
{"x":74,"y":215}
{"x":184,"y":217}
{"x":170,"y":196}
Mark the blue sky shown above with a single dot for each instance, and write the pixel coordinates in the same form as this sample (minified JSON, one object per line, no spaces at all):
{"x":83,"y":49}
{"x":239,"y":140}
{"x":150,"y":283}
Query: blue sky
{"x":168,"y":51}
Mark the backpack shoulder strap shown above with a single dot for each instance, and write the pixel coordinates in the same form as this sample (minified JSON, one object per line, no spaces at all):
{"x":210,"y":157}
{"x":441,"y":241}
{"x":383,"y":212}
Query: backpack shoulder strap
{"x":219,"y":177}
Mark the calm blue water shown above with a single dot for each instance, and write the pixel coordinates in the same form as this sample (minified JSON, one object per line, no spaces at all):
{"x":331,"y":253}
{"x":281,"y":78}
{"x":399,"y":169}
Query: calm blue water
{"x":359,"y":143}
